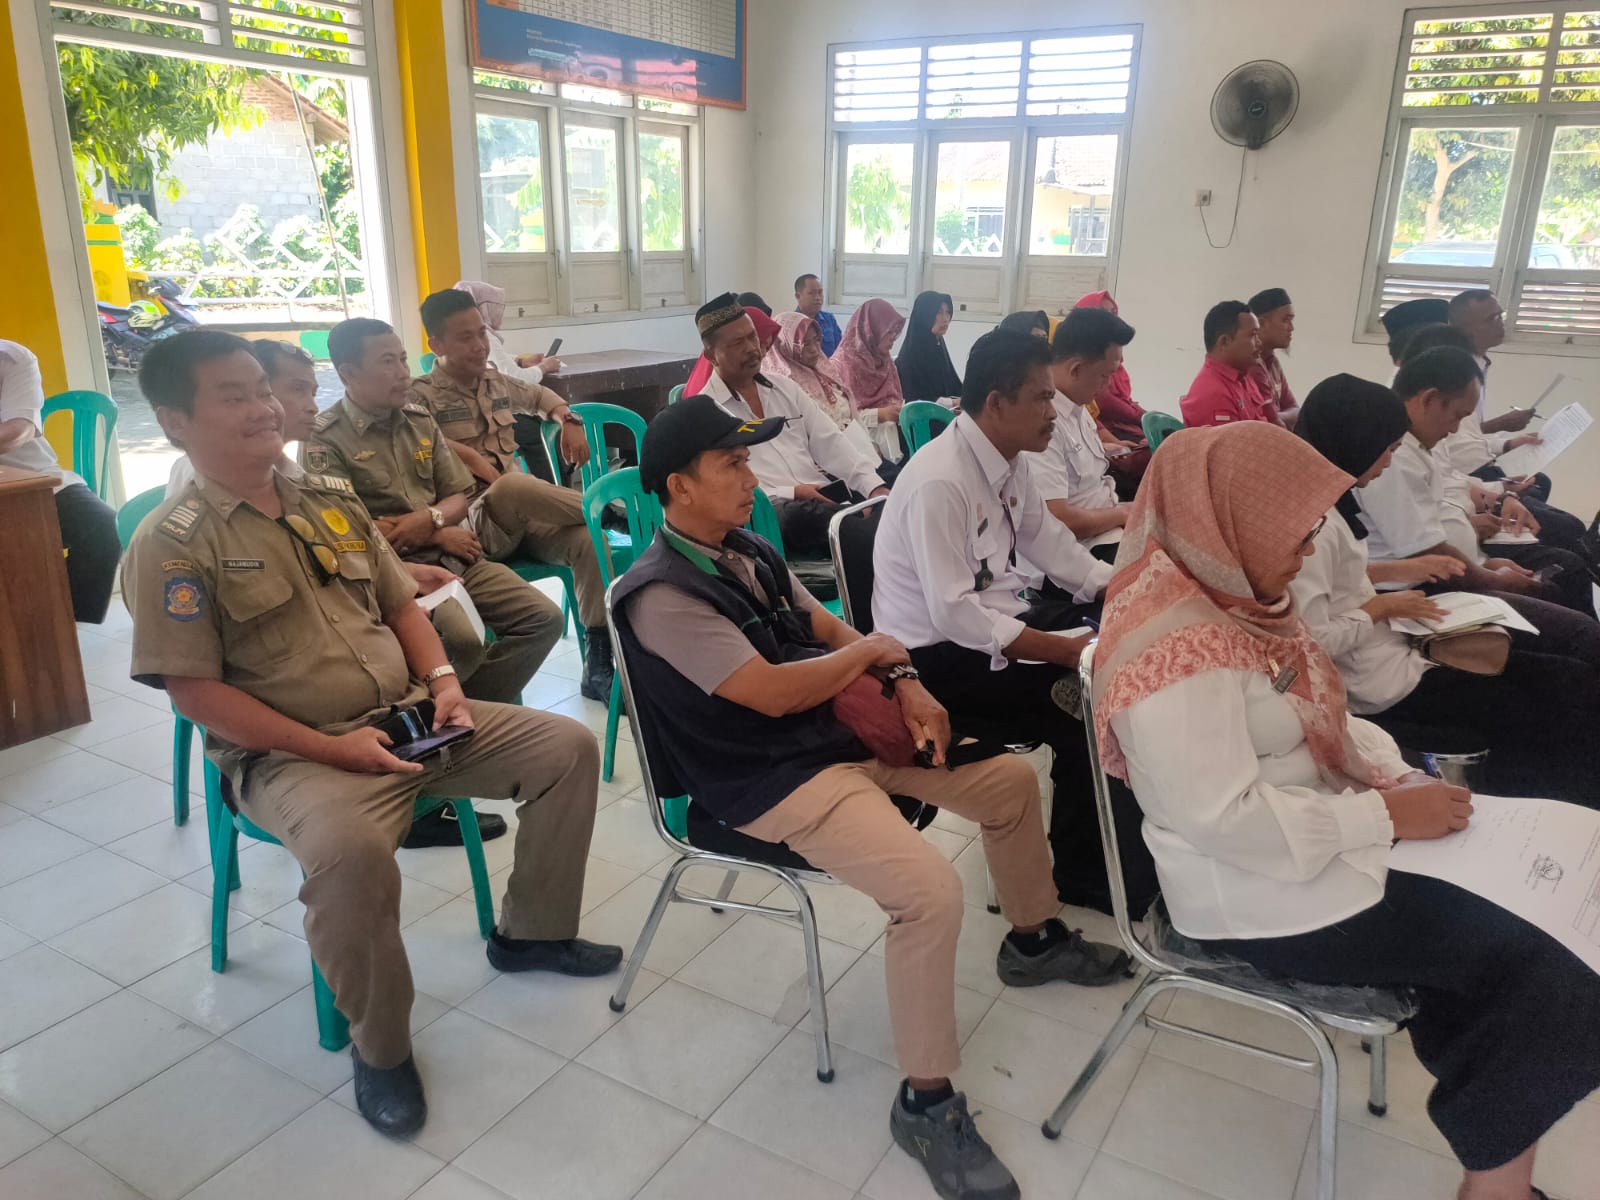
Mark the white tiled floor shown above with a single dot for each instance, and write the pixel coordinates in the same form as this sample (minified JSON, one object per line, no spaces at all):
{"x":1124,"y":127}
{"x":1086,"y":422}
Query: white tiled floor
{"x":129,"y":1069}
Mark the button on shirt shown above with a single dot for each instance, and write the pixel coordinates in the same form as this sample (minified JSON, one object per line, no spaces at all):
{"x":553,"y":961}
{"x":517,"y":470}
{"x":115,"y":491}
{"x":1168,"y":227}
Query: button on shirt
{"x":1406,"y":511}
{"x":956,"y":526}
{"x":397,"y":460}
{"x":22,"y":399}
{"x":1379,"y":666}
{"x":1221,"y":394}
{"x":808,"y":451}
{"x":218,"y":590}
{"x":484,"y":417}
{"x":1074,"y":468}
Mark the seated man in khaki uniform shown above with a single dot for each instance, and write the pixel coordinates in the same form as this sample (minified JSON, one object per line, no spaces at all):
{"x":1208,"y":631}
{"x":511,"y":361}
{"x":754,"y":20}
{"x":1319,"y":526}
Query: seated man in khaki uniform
{"x":394,"y":454}
{"x":736,"y":666}
{"x":278,"y":618}
{"x":513,"y":513}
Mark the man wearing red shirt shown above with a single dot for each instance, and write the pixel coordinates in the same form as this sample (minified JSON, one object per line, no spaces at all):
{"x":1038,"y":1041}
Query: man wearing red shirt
{"x":1224,"y":391}
{"x":1275,"y":311}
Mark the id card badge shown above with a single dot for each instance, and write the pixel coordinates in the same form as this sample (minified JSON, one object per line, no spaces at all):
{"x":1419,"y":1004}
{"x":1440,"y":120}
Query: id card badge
{"x":1283,"y":678}
{"x":982,"y":580}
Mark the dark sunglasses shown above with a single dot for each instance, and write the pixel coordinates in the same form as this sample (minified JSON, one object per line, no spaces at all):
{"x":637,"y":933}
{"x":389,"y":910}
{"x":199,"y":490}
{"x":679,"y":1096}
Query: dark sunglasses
{"x":322,"y":558}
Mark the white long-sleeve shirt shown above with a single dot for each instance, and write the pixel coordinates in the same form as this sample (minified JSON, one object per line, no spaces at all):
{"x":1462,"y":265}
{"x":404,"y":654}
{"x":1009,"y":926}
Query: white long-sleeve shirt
{"x":957,"y":512}
{"x":1074,"y":466}
{"x":1406,"y":510}
{"x":810,"y":448}
{"x":1248,"y":837}
{"x":1379,"y":665}
{"x":22,"y":399}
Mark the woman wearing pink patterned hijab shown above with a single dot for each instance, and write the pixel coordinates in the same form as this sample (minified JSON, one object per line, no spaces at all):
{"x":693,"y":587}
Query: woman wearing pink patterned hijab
{"x":863,"y":359}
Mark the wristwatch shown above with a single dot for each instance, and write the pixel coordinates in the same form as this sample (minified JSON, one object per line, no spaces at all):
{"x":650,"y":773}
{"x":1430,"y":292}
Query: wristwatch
{"x":570,"y":418}
{"x":901,"y":671}
{"x":438,"y":517}
{"x":438,"y":673}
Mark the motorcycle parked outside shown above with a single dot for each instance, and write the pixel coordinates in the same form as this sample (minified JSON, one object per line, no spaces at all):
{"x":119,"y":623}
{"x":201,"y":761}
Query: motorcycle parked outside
{"x":126,"y":333}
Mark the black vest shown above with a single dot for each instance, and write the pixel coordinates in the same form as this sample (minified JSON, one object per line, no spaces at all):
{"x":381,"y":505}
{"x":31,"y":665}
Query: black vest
{"x":733,"y":761}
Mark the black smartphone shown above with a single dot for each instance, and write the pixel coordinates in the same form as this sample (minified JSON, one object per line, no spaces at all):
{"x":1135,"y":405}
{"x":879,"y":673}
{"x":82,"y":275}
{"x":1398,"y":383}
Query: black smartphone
{"x":555,"y":347}
{"x":427,"y":747}
{"x":412,"y":736}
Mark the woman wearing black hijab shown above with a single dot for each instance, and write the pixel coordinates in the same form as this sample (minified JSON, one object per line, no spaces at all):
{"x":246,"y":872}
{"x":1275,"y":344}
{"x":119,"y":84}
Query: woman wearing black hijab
{"x":1537,"y":718}
{"x":926,"y":372}
{"x":1030,"y":321}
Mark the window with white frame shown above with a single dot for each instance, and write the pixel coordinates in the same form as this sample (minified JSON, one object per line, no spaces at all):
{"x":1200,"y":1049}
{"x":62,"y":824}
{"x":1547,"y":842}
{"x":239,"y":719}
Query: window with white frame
{"x":1492,"y":168}
{"x":588,"y":198}
{"x":990,"y":169}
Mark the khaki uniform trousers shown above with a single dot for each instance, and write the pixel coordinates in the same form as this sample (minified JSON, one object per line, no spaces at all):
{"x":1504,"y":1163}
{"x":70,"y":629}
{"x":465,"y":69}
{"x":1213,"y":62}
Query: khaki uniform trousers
{"x":843,"y":822}
{"x":343,"y":829}
{"x":526,"y":625}
{"x":545,"y":522}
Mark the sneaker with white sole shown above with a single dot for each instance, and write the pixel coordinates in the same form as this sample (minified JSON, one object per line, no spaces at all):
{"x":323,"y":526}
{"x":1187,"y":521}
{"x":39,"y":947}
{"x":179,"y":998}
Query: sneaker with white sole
{"x":959,"y":1163}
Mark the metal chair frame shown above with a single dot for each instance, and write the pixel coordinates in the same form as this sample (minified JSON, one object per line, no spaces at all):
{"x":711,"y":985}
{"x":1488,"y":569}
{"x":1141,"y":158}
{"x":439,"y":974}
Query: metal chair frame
{"x":689,"y":855}
{"x":1162,"y":974}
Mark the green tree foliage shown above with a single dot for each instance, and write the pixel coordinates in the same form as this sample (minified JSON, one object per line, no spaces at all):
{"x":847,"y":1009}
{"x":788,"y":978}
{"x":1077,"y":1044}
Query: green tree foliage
{"x":1455,"y":184}
{"x":661,"y":191}
{"x":875,"y":204}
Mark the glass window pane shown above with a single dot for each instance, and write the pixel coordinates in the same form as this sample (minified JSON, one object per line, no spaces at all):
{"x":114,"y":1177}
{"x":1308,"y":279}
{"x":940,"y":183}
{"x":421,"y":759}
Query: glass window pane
{"x":661,"y":190}
{"x":1073,"y":183}
{"x":1567,"y":236}
{"x":593,"y":208}
{"x":511,"y":179}
{"x":877,"y":198}
{"x":969,"y":198}
{"x":1453,"y":196}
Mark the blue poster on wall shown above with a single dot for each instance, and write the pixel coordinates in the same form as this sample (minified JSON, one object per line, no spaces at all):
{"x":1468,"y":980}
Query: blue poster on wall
{"x":691,"y":51}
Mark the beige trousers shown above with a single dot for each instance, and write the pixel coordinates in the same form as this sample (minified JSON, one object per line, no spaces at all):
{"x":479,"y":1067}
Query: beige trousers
{"x":344,"y":828}
{"x":520,"y":514}
{"x":843,"y":822}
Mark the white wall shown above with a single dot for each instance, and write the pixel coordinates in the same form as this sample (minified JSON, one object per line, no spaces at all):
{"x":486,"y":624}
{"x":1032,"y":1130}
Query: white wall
{"x":1307,"y":198}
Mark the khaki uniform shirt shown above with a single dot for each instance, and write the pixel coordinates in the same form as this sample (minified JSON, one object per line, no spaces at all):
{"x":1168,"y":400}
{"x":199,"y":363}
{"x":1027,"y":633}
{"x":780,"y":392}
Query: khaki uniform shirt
{"x":218,"y":590}
{"x":483,"y":419}
{"x":397,"y":461}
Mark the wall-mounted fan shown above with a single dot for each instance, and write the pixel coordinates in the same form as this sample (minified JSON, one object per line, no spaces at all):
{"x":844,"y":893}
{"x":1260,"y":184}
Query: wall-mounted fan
{"x":1255,"y":103}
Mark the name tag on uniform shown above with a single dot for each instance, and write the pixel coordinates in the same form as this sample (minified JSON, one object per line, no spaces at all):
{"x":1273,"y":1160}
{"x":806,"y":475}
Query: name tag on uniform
{"x":454,"y":414}
{"x":353,"y":546}
{"x":244,"y":564}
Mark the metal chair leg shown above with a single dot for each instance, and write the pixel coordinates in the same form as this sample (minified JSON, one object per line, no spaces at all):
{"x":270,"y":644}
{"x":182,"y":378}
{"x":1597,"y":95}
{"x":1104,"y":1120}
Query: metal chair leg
{"x":669,"y":886}
{"x":1378,"y":1081}
{"x":726,"y":890}
{"x":819,"y":998}
{"x":1328,"y":1111}
{"x":1132,"y":1013}
{"x":992,"y":900}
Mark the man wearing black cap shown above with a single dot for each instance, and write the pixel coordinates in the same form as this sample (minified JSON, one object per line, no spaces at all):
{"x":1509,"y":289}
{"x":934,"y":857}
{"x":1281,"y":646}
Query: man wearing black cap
{"x":737,"y":671}
{"x":809,"y":468}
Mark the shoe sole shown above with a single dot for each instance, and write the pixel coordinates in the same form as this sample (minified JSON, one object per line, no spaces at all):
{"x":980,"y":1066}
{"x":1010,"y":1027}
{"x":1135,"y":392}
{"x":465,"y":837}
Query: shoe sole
{"x":510,"y":965}
{"x":1018,"y":979}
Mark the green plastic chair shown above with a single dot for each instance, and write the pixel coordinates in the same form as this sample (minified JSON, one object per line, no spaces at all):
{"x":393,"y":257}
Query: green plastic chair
{"x":644,"y":518}
{"x":920,"y":420}
{"x":94,"y":425}
{"x":333,"y":1030}
{"x":427,"y":360}
{"x":315,"y":343}
{"x":1157,"y":425}
{"x":597,"y":418}
{"x":128,"y":518}
{"x":675,"y":394}
{"x":764,"y":523}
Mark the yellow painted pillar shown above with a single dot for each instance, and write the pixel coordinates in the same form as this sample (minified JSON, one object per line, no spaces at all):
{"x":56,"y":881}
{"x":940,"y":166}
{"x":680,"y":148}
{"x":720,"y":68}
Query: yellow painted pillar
{"x":27,"y":312}
{"x":425,"y":112}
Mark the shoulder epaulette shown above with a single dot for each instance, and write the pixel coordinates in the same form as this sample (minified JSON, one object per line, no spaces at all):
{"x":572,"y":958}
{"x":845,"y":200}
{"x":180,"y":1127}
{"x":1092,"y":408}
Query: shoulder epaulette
{"x":179,"y":519}
{"x":330,"y":483}
{"x":416,"y":406}
{"x":325,"y":418}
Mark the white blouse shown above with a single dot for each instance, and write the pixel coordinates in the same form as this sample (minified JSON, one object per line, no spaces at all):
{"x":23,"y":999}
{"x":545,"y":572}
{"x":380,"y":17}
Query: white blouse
{"x":1379,"y":665}
{"x":1249,"y":839}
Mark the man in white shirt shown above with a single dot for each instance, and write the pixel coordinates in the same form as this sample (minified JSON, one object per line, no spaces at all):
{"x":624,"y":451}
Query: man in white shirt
{"x":952,"y":584}
{"x":810,"y":468}
{"x":88,"y":524}
{"x":1071,"y":473}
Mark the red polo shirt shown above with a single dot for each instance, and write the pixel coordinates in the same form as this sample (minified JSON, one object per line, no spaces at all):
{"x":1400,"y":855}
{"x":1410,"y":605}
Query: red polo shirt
{"x":1221,"y":394}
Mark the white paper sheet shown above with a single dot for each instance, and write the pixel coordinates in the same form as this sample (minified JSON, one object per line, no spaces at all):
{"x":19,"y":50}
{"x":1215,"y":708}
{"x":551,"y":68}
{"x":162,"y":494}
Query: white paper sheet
{"x":1559,"y":432}
{"x":1539,"y":859}
{"x":1463,"y":610}
{"x":1507,"y":538}
{"x":457,"y":591}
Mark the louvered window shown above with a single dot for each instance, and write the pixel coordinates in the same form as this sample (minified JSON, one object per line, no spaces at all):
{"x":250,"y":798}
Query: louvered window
{"x":261,"y":33}
{"x":1493,"y":170}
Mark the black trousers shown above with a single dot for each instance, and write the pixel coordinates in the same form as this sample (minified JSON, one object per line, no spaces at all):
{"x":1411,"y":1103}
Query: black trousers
{"x":804,"y":523}
{"x":89,"y":533}
{"x":1570,"y":585}
{"x":1539,"y":490}
{"x":1509,"y":1019}
{"x":1538,"y":720}
{"x":1015,"y":705}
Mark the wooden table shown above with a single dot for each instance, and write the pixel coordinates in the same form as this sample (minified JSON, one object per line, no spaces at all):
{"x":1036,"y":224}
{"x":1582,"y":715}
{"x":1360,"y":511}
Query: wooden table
{"x":636,"y":379}
{"x":41,"y":675}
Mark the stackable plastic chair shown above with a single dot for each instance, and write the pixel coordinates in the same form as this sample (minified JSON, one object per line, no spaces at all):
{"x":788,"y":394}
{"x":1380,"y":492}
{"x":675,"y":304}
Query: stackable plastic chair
{"x":94,"y":425}
{"x":675,"y":394}
{"x":1373,"y":1013}
{"x":920,"y":420}
{"x":427,"y":360}
{"x":1157,"y":425}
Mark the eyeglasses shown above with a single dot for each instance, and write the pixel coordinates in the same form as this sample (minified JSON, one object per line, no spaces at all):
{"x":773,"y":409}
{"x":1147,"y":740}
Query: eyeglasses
{"x":1312,"y":536}
{"x":322,"y":558}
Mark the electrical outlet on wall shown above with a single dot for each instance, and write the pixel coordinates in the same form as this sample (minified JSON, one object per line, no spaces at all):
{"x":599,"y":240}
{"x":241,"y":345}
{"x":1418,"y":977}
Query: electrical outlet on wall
{"x":1202,"y":198}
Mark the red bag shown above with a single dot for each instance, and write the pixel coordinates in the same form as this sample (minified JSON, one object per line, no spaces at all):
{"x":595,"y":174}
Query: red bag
{"x":874,"y":717}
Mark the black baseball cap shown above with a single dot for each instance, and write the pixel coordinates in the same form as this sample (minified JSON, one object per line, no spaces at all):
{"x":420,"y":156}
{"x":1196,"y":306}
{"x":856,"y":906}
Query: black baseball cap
{"x":682,"y":433}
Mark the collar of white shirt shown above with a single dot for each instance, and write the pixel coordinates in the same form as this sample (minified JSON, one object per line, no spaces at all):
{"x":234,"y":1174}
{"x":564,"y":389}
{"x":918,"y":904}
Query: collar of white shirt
{"x":996,"y":467}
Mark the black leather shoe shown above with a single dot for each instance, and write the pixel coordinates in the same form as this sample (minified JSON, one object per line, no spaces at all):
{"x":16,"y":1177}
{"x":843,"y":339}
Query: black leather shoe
{"x":571,"y":956}
{"x":597,"y":666}
{"x":391,"y":1100}
{"x":440,"y":828}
